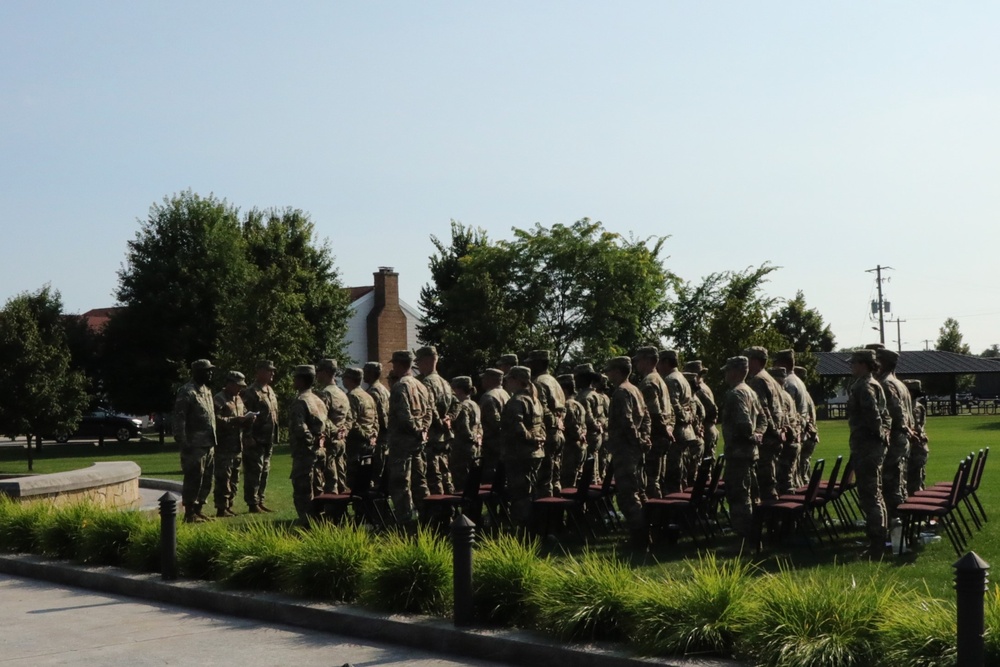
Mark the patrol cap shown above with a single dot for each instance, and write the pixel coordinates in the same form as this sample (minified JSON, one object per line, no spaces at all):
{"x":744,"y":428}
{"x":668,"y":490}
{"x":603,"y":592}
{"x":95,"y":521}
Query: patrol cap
{"x":739,"y":363}
{"x":787,"y":356}
{"x":800,"y":371}
{"x":915,"y":386}
{"x":668,"y":356}
{"x":886,"y":356}
{"x":201,"y":365}
{"x":494,"y":373}
{"x":304,"y":370}
{"x":426,"y":351}
{"x":646,"y":352}
{"x":778,"y":372}
{"x":510,"y":359}
{"x":874,"y":346}
{"x":463,"y":382}
{"x":373,"y":367}
{"x":622,"y":364}
{"x":329,"y":365}
{"x":265,"y":364}
{"x":694,"y":367}
{"x":566,"y":380}
{"x":237,"y":377}
{"x":354,"y":374}
{"x":521,"y":373}
{"x":538,"y":355}
{"x":402,"y":357}
{"x":586,"y":370}
{"x":865,"y":356}
{"x":756,"y":352}
{"x":691,"y":377}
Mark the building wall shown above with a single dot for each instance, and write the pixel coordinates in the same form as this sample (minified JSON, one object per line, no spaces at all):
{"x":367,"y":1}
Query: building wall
{"x":357,"y":329}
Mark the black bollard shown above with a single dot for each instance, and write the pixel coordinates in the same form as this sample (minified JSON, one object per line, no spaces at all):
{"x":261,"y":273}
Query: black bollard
{"x":971,"y":584}
{"x":168,"y":536}
{"x":463,"y":537}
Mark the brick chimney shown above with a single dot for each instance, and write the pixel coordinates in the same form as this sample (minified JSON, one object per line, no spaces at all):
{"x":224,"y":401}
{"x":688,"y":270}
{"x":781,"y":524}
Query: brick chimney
{"x":386,"y":321}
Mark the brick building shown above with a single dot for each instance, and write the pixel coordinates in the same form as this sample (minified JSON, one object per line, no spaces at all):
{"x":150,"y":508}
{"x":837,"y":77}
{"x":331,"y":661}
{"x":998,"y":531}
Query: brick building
{"x":380,"y":322}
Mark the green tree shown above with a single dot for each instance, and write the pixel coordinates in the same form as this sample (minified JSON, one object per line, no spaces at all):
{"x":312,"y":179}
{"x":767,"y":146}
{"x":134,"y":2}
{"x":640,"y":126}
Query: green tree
{"x":807,"y":333}
{"x":992,"y":352}
{"x":40,"y":394}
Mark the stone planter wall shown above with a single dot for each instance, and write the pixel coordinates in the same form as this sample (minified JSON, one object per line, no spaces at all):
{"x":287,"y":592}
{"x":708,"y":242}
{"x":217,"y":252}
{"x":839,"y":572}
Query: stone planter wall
{"x":112,"y":485}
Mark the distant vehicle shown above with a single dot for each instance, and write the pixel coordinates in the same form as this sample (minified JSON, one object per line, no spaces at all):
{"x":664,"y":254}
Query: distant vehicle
{"x":101,"y":423}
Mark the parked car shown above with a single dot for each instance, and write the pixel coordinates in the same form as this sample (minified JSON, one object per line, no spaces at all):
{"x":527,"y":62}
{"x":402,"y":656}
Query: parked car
{"x":101,"y":423}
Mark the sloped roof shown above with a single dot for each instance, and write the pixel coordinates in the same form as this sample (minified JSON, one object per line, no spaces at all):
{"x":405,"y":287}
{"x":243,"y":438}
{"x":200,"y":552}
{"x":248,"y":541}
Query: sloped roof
{"x":355,"y":293}
{"x":916,"y":362}
{"x":96,"y":318}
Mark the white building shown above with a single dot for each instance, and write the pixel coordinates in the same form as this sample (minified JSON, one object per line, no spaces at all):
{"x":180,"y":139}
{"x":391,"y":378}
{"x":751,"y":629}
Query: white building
{"x":380,"y":322}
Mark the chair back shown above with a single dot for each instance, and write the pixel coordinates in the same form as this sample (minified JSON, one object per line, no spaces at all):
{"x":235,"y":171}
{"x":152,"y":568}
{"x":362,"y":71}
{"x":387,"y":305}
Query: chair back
{"x":815,"y":479}
{"x":701,"y":479}
{"x":713,"y":481}
{"x":586,"y":474}
{"x":832,"y":484}
{"x":977,"y":474}
{"x":609,"y":479}
{"x":956,"y":487}
{"x":472,"y":481}
{"x":847,"y":480}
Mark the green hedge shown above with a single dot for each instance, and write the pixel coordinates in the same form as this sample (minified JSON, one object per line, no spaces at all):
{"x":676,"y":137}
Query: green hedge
{"x":712,"y":607}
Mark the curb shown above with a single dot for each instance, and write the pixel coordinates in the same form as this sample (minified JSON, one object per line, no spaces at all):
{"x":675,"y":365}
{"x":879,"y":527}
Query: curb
{"x":502,"y":645}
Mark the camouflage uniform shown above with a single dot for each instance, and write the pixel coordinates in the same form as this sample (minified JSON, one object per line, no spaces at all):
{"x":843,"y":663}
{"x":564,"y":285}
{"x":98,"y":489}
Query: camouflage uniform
{"x":685,"y":442}
{"x":362,"y":438}
{"x":596,"y":421}
{"x":333,"y":461}
{"x":307,"y":425}
{"x":229,"y":451}
{"x":869,"y":422}
{"x":916,"y":467}
{"x":194,"y":431}
{"x":698,"y":451}
{"x":604,"y":457}
{"x":491,"y":406}
{"x":897,"y":398}
{"x":769,"y":394}
{"x":575,"y":450}
{"x":806,"y":409}
{"x":787,"y":469}
{"x":410,"y":411}
{"x":711,"y":431}
{"x":468,"y":430}
{"x":743,"y":422}
{"x":553,"y":401}
{"x":380,"y":395}
{"x":439,"y":435}
{"x":524,"y":447}
{"x":257,"y":448}
{"x":661,"y":417}
{"x":629,"y":440}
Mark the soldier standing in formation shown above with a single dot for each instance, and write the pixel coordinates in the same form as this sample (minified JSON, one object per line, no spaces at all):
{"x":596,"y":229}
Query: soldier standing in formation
{"x":232,"y":424}
{"x":917,"y":461}
{"x":661,"y":418}
{"x":788,"y":459}
{"x":704,"y":394}
{"x":362,"y":435}
{"x":698,"y":423}
{"x":629,"y":441}
{"x":684,"y":442}
{"x":379,"y":394}
{"x":804,"y":407}
{"x":468,"y":430}
{"x":308,"y":427}
{"x":575,"y":448}
{"x":524,"y":444}
{"x":260,"y":399}
{"x":898,"y":403}
{"x":869,"y":422}
{"x":596,"y":413}
{"x":410,"y":414}
{"x":490,"y":410}
{"x":506,"y":362}
{"x":769,"y":394}
{"x":743,"y":427}
{"x":194,"y":431}
{"x":553,"y":401}
{"x":333,"y":461}
{"x":439,"y":435}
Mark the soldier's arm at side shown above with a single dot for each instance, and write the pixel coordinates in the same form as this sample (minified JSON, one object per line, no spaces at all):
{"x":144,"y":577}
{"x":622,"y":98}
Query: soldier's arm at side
{"x":179,"y":420}
{"x":513,"y":421}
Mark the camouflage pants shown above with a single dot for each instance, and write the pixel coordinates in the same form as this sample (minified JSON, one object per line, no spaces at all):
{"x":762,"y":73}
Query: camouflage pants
{"x":629,"y":487}
{"x":692,"y":459}
{"x":916,"y":468}
{"x":551,"y":468}
{"x":655,"y":467}
{"x":198,"y":464}
{"x":256,"y":468}
{"x":227,"y":477}
{"x":787,"y":467}
{"x":460,"y":461}
{"x":335,"y":467}
{"x":894,"y":471}
{"x":573,"y":456}
{"x":490,"y":453}
{"x":438,"y":473}
{"x":380,"y":462}
{"x":711,"y":440}
{"x":805,"y":456}
{"x":522,"y":475}
{"x":603,"y":455}
{"x":675,"y":472}
{"x":407,"y":480}
{"x":306,"y":475}
{"x":739,"y":478}
{"x":868,"y":461}
{"x":767,"y":468}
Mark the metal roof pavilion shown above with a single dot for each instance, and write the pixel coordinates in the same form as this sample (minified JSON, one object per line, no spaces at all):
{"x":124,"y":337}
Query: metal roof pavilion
{"x":912,"y":363}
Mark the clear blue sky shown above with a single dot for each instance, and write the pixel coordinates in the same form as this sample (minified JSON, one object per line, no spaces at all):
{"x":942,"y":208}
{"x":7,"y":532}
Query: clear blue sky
{"x":823,"y":137}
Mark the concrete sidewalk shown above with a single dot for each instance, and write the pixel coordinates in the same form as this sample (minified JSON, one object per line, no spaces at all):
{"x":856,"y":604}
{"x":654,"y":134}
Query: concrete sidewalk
{"x":49,"y":624}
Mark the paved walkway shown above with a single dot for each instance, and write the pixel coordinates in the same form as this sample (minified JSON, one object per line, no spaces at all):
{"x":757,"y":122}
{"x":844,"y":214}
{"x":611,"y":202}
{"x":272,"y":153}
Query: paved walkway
{"x":46,"y":624}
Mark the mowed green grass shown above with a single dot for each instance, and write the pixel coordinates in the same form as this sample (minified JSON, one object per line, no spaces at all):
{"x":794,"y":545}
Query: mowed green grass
{"x":951,"y":438}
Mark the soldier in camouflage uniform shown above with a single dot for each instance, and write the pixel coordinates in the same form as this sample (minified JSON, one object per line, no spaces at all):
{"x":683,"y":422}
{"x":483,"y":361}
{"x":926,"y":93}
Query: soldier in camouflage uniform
{"x":575,"y":450}
{"x":869,"y":422}
{"x":629,"y":441}
{"x":704,"y":394}
{"x":232,"y":425}
{"x":743,"y":426}
{"x":506,"y":362}
{"x":194,"y":431}
{"x":468,"y":429}
{"x":788,"y":460}
{"x":592,"y":401}
{"x":698,"y":422}
{"x":333,"y":462}
{"x":661,"y":417}
{"x":769,"y":393}
{"x":490,"y":409}
{"x":917,"y":462}
{"x":379,"y":394}
{"x":307,"y":429}
{"x":259,"y":398}
{"x":362,"y":438}
{"x":685,"y":442}
{"x":524,"y":444}
{"x":440,"y":434}
{"x":553,"y":401}
{"x":900,"y":407}
{"x":806,"y":409}
{"x":410,"y":413}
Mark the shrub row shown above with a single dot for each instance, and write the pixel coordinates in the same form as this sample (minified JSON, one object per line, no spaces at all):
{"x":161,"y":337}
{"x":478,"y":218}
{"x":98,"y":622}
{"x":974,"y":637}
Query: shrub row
{"x":712,"y":607}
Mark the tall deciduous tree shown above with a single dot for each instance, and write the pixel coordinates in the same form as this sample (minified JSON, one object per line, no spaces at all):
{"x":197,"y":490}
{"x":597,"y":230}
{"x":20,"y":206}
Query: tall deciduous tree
{"x":40,"y":394}
{"x":807,"y":333}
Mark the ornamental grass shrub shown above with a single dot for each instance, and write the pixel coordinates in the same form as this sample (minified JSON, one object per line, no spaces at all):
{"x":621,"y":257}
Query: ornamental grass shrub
{"x":410,"y":574}
{"x":200,"y":547}
{"x":60,"y":532}
{"x":992,"y":611}
{"x":254,"y":557}
{"x":108,"y":535}
{"x":328,"y":563}
{"x":590,"y":598}
{"x":703,"y":611}
{"x":507,"y":568}
{"x":143,"y":552}
{"x":921,"y":632}
{"x":19,"y":525}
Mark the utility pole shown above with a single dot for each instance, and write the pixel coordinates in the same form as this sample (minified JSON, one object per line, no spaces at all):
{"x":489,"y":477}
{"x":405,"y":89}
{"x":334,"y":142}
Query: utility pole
{"x":899,"y":334}
{"x":927,"y":343}
{"x":881,"y":303}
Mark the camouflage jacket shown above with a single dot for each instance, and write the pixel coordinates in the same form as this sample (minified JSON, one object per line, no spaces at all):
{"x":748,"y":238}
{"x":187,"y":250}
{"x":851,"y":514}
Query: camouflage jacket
{"x":523,"y":430}
{"x":364,"y":420}
{"x":680,"y":403}
{"x":628,"y":421}
{"x":380,"y":395}
{"x":742,"y":419}
{"x":229,"y":432}
{"x":657,"y":396}
{"x":769,"y":393}
{"x":410,"y":411}
{"x":596,"y":415}
{"x":443,"y":406}
{"x":867,"y":415}
{"x":707,"y":398}
{"x":338,"y":411}
{"x":553,"y":401}
{"x":194,"y":417}
{"x":491,"y":405}
{"x":307,"y":422}
{"x":263,"y":401}
{"x":468,"y":425}
{"x":576,"y":423}
{"x":898,"y":403}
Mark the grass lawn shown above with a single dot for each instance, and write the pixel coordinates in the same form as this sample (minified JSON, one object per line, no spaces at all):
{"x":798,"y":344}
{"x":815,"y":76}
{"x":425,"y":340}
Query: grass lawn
{"x":951,"y":438}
